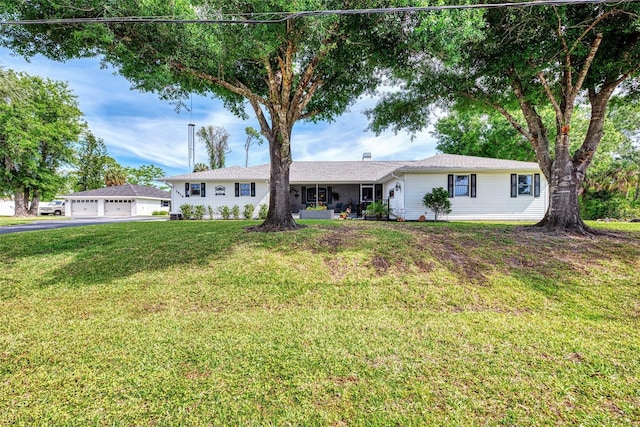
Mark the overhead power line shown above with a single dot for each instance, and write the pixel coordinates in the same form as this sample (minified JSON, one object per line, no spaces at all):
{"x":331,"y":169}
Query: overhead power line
{"x":279,"y":17}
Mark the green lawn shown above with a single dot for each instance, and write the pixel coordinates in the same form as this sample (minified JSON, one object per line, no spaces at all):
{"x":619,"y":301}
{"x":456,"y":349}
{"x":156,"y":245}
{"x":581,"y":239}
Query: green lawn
{"x":12,"y":220}
{"x":340,"y":323}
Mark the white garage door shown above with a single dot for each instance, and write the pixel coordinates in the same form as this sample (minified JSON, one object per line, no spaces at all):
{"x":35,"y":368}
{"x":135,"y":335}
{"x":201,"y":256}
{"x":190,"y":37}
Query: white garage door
{"x":84,"y":208}
{"x":117,"y":207}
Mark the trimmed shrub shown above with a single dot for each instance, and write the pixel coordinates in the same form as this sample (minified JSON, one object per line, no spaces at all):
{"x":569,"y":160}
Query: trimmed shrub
{"x":263,"y":212}
{"x":186,"y":210}
{"x":198,"y":212}
{"x":248,"y":211}
{"x":235,"y":212}
{"x":224,"y":211}
{"x":438,"y":201}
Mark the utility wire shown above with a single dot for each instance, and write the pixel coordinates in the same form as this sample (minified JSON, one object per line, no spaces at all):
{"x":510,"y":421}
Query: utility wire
{"x":279,"y":17}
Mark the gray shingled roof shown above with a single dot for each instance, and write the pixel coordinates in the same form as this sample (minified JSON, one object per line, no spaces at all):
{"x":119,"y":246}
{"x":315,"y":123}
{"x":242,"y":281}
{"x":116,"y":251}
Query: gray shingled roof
{"x":127,"y":190}
{"x":347,"y":171}
{"x":224,"y":174}
{"x":356,"y":171}
{"x":454,"y":161}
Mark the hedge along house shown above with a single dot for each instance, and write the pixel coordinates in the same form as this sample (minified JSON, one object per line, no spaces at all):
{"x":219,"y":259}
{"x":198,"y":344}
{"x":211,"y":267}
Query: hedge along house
{"x":479,"y":188}
{"x":118,"y":201}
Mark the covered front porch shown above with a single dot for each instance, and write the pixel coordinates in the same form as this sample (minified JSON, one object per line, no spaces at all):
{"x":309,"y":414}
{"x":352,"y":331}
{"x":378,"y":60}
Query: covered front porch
{"x":336,"y":197}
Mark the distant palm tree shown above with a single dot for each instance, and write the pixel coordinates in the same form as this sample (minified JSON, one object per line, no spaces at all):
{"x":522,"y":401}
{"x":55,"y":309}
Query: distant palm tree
{"x":115,"y":176}
{"x":199,"y":167}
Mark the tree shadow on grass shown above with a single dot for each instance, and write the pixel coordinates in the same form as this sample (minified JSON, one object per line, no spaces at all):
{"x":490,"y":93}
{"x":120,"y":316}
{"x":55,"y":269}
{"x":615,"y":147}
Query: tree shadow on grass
{"x":104,"y":253}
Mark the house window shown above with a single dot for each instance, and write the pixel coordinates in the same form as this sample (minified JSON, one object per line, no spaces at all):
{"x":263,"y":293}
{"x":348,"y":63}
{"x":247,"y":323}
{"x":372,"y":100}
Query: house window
{"x":244,"y":189}
{"x":194,"y":189}
{"x":525,"y":185}
{"x":164,"y":203}
{"x":322,"y":194}
{"x":461,"y":185}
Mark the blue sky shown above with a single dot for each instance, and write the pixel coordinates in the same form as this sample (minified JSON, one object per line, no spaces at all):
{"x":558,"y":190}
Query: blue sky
{"x":139,"y":129}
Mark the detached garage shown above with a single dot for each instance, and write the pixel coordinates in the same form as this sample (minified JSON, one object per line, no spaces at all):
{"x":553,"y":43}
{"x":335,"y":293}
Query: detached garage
{"x":119,"y":201}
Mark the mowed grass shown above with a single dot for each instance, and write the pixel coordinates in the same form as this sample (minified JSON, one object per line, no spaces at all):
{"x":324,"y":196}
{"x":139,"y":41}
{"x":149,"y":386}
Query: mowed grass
{"x":340,"y":323}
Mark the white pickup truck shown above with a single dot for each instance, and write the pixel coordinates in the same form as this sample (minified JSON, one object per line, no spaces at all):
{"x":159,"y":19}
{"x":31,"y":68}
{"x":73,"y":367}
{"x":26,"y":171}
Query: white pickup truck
{"x":54,"y":208}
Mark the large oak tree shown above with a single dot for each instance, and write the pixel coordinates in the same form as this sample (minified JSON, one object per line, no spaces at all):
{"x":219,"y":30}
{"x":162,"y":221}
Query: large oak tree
{"x":532,"y":59}
{"x":38,"y":127}
{"x":309,"y":68}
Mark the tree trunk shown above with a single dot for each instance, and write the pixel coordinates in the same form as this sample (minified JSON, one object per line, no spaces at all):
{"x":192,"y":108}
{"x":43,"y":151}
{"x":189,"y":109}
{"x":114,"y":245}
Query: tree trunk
{"x":21,"y":203}
{"x":563,"y":214}
{"x":34,"y":205}
{"x":280,"y":217}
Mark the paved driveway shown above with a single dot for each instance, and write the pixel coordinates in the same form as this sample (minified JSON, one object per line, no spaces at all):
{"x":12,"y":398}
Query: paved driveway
{"x":73,"y":222}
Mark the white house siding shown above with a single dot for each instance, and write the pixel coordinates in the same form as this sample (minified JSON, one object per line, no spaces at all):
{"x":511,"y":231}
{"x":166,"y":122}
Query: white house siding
{"x":493,"y":200}
{"x":145,"y":207}
{"x":7,"y":208}
{"x":178,"y":197}
{"x":396,"y":203}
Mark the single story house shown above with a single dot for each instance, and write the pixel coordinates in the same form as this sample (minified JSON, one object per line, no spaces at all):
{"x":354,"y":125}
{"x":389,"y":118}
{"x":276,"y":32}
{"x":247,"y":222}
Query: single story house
{"x":117,"y":201}
{"x":479,"y":188}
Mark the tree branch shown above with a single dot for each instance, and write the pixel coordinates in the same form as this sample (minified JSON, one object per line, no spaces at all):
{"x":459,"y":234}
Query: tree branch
{"x":537,"y":130}
{"x":238,"y":88}
{"x":585,"y":68}
{"x":567,"y":54}
{"x":551,"y":97}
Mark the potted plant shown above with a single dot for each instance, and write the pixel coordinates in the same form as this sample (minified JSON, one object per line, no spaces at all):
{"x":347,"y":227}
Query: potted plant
{"x":378,"y":210}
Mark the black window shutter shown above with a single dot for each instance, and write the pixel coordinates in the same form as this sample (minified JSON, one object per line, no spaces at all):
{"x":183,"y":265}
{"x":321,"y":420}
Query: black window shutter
{"x":237,"y":189}
{"x":536,"y":185}
{"x":514,"y":185}
{"x":329,"y":195}
{"x":253,"y":189}
{"x":450,"y":185}
{"x":203,"y":192}
{"x":304,"y":195}
{"x":473,"y":185}
{"x":186,"y":189}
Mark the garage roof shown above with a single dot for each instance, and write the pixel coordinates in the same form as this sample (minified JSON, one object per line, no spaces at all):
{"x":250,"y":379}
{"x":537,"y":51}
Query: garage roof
{"x":127,"y":190}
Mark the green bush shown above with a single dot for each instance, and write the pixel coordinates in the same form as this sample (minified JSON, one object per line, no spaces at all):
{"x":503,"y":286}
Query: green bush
{"x":378,"y":209}
{"x":198,"y":212}
{"x":210,"y":211}
{"x":159,"y":213}
{"x":263,"y":212}
{"x":235,"y":212}
{"x":438,"y":201}
{"x":606,"y":204}
{"x":186,"y":210}
{"x":248,"y":211}
{"x":224,"y":211}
